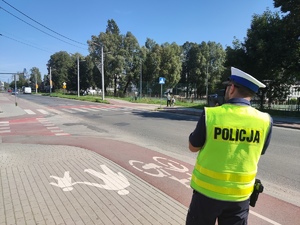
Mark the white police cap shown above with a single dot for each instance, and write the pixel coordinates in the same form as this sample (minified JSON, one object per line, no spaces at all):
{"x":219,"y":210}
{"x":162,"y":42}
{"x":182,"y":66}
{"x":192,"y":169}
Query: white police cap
{"x":242,"y":78}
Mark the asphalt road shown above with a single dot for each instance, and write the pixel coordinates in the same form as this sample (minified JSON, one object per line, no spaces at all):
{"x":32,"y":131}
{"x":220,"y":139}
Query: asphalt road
{"x":168,"y":134}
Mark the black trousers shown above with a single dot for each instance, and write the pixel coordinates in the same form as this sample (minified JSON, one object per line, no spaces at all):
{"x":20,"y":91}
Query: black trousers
{"x":206,"y":211}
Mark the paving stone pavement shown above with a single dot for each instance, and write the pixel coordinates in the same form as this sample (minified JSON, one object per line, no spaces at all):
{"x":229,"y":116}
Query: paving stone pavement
{"x":42,"y":184}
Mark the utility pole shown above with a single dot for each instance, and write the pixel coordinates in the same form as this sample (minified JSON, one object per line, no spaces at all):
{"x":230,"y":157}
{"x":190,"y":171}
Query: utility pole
{"x":50,"y":81}
{"x":207,"y":85}
{"x":15,"y":76}
{"x":35,"y":83}
{"x":102,"y":71}
{"x":102,"y":67}
{"x":141,"y":80}
{"x":78,"y":86}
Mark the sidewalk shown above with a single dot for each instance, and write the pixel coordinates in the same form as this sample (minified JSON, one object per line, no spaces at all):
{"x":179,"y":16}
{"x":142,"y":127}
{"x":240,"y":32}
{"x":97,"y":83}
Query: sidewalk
{"x":56,"y":184}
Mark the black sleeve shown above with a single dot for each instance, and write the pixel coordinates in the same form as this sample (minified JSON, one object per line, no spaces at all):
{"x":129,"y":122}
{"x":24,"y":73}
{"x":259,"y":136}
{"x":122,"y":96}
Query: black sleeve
{"x":198,"y":136}
{"x":267,"y":142}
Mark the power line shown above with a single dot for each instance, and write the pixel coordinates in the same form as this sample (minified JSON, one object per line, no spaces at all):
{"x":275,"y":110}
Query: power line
{"x":39,"y":29}
{"x":24,"y":43}
{"x":43,"y":25}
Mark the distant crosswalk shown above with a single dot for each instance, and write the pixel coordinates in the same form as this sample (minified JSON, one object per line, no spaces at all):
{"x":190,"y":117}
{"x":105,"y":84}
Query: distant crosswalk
{"x":79,"y":109}
{"x":4,"y":127}
{"x":21,"y":126}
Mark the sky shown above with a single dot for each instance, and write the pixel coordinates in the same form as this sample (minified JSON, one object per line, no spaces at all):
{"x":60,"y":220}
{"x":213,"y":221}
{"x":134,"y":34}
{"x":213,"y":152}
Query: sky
{"x":33,"y":30}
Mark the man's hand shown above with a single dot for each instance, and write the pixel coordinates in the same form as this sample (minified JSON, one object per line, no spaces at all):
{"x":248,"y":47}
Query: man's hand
{"x":193,"y":149}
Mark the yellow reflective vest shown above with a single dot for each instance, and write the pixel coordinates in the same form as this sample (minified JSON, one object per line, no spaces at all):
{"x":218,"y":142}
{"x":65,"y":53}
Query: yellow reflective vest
{"x":226,"y":166}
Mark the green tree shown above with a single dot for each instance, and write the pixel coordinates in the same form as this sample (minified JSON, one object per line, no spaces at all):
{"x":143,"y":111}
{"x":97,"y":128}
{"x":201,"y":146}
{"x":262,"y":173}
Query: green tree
{"x":35,"y":77}
{"x":202,"y":63}
{"x":151,"y":65}
{"x":291,"y":31}
{"x":111,"y":42}
{"x":88,"y":72}
{"x":132,"y":60}
{"x":266,"y":55}
{"x":170,"y":63}
{"x":60,"y":63}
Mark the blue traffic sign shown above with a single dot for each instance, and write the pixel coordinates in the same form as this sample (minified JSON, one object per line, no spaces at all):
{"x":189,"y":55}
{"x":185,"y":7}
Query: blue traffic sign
{"x":161,"y":80}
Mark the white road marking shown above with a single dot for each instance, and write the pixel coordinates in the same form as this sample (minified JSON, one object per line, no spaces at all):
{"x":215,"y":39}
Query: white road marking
{"x":56,"y":131}
{"x":28,"y":111}
{"x":62,"y":134}
{"x":264,"y":218}
{"x":4,"y":125}
{"x":55,"y":111}
{"x":42,"y":111}
{"x":104,"y":109}
{"x":108,"y":180}
{"x":80,"y":110}
{"x":92,"y":109}
{"x":67,"y":110}
{"x":4,"y":131}
{"x":52,"y":128}
{"x":48,"y":124}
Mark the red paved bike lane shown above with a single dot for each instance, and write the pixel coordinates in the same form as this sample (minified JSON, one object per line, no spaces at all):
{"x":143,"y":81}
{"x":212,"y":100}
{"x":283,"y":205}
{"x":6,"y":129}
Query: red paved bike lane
{"x":165,"y":173}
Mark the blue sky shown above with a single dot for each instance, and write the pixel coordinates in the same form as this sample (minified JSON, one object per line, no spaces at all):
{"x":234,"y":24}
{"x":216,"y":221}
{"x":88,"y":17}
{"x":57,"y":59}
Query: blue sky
{"x":23,"y":46}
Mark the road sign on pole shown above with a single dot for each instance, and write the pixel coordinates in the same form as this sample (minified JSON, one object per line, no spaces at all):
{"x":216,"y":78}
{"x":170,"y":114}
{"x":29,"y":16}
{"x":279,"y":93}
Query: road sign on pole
{"x":161,"y":81}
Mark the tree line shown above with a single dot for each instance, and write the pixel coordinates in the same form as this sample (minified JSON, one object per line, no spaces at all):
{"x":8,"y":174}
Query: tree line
{"x":269,"y":52}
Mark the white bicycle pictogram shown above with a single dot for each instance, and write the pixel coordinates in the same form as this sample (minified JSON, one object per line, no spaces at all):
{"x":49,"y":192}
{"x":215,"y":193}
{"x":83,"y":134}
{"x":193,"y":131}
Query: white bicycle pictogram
{"x":162,"y":168}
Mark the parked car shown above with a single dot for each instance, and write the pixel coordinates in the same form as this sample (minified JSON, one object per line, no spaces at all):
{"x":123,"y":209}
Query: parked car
{"x":14,"y":92}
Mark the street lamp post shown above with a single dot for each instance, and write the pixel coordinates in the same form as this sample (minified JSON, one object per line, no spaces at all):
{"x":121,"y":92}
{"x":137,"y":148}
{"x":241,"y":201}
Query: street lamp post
{"x":102,"y":67}
{"x":50,"y":81}
{"x":102,"y":72}
{"x":141,"y":79}
{"x":207,"y":84}
{"x":78,"y":75}
{"x":35,"y":83}
{"x":78,"y":85}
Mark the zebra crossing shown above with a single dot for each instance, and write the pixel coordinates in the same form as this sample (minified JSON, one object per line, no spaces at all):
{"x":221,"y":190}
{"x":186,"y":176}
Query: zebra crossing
{"x":79,"y":109}
{"x":48,"y":128}
{"x":4,"y":127}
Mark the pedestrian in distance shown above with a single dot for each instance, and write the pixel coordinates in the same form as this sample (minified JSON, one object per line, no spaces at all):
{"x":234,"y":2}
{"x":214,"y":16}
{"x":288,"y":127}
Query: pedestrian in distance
{"x":173,"y":100}
{"x":168,"y":99}
{"x":229,"y":139}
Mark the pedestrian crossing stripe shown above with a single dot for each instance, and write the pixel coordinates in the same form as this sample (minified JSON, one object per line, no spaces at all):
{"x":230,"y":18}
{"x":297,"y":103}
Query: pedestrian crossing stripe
{"x":80,"y":109}
{"x":4,"y":131}
{"x":67,"y":110}
{"x":93,"y":109}
{"x":28,"y":111}
{"x":4,"y":124}
{"x":42,"y":111}
{"x":55,"y":111}
{"x":4,"y":127}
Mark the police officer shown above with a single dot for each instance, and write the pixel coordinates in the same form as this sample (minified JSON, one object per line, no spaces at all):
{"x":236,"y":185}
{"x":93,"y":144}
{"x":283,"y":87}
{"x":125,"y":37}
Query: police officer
{"x":230,"y":139}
